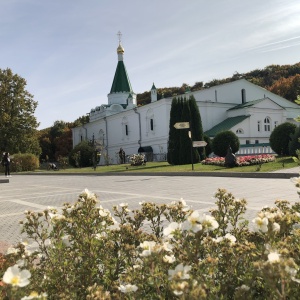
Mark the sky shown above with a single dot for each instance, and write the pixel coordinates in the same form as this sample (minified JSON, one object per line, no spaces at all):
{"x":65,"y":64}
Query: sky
{"x":66,"y":49}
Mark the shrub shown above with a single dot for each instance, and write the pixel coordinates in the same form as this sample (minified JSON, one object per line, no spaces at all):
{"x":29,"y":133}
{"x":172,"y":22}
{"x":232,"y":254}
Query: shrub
{"x":208,"y":147}
{"x":24,"y":162}
{"x":280,"y":138}
{"x":82,"y":155}
{"x":137,"y":159}
{"x":223,"y":140}
{"x":294,"y":143}
{"x":159,"y":251}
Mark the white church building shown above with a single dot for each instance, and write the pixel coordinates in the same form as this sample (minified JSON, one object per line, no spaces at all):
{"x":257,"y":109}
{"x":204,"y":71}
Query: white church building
{"x":248,"y":110}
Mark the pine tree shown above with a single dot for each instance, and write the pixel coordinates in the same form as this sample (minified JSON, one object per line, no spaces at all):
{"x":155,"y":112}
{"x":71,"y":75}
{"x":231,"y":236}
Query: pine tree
{"x":196,"y":127}
{"x":185,"y":141}
{"x":172,"y":132}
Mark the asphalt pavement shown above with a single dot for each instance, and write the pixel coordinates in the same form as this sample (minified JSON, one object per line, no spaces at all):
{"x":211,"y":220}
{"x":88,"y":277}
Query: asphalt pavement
{"x":37,"y":192}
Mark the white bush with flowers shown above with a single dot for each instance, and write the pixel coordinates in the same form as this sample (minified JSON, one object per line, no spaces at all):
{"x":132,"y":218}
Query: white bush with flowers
{"x":166,"y":251}
{"x":241,"y":161}
{"x":137,"y":159}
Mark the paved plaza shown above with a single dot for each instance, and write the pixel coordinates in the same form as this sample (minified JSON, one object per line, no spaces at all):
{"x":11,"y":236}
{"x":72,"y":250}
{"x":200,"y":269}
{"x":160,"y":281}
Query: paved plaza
{"x":37,"y":192}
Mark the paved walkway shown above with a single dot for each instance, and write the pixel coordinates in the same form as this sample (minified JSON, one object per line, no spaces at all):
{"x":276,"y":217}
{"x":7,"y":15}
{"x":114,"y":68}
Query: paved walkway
{"x":36,"y":192}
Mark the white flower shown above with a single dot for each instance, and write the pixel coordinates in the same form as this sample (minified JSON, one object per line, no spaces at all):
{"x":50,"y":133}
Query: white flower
{"x":192,"y":223}
{"x":181,"y":286}
{"x":261,"y":224}
{"x":275,"y":227}
{"x":228,"y":236}
{"x":16,"y":276}
{"x":89,"y":195}
{"x":171,"y":228}
{"x":169,"y":258}
{"x":103,"y":212}
{"x":35,"y":295}
{"x":180,"y":272}
{"x":167,"y":246}
{"x":296,"y":181}
{"x":244,"y":287}
{"x":209,"y":223}
{"x":273,"y":257}
{"x":12,"y":250}
{"x":128,"y":288}
{"x":147,"y":248}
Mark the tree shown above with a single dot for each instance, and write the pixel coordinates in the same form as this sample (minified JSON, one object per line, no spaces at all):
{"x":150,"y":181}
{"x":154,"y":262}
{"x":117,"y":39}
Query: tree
{"x":81,"y":155}
{"x":223,"y":140}
{"x":294,"y":143}
{"x":18,"y":125}
{"x":185,"y":142}
{"x":280,"y":138}
{"x":197,"y":129}
{"x":174,"y":142}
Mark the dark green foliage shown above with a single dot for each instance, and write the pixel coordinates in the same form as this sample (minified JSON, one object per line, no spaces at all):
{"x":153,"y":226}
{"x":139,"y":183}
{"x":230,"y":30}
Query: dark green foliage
{"x":223,"y":140}
{"x":280,"y":138}
{"x":82,"y":155}
{"x":185,"y":141}
{"x":208,"y":147}
{"x":18,"y":125}
{"x":23,"y":162}
{"x":294,"y":143}
{"x":179,"y":144}
{"x":173,"y":143}
{"x":197,"y":130}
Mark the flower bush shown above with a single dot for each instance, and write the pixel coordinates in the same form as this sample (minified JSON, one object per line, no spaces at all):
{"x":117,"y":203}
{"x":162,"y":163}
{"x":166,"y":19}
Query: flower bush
{"x":159,"y":251}
{"x":241,"y":160}
{"x":137,"y":159}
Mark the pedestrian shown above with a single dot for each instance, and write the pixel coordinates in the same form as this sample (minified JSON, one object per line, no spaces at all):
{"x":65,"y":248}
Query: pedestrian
{"x":6,"y":164}
{"x":122,"y":156}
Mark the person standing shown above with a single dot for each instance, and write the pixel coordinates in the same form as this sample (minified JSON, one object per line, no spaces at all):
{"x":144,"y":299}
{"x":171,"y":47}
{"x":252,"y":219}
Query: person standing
{"x":6,"y":164}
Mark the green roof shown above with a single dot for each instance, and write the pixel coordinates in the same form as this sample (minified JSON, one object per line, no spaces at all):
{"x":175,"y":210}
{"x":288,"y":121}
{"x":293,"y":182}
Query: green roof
{"x":225,"y":125}
{"x":121,"y":81}
{"x":246,"y":104}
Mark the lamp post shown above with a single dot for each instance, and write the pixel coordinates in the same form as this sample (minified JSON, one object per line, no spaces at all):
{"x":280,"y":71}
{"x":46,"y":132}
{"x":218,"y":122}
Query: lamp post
{"x":190,"y":136}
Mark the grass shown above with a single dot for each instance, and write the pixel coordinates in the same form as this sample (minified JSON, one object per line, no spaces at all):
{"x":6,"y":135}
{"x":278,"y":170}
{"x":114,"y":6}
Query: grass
{"x":280,"y":163}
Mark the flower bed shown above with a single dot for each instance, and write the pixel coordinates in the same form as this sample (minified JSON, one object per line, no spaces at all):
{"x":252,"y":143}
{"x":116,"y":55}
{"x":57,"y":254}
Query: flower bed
{"x":159,"y":251}
{"x":241,"y":160}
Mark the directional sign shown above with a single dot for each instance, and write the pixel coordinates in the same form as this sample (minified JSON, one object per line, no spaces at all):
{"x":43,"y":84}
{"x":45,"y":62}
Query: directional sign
{"x":199,"y":143}
{"x":182,"y":125}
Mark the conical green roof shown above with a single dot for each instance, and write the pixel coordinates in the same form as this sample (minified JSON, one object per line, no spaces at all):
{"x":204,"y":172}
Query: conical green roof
{"x":121,"y":81}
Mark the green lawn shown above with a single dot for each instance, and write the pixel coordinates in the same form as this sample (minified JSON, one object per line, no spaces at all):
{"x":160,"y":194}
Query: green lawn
{"x":280,"y":163}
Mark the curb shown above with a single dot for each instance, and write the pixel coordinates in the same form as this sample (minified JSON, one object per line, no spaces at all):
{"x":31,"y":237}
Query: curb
{"x":192,"y":174}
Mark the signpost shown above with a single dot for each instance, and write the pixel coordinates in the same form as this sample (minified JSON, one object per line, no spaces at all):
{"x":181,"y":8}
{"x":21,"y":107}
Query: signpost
{"x":182,"y":125}
{"x":199,"y":144}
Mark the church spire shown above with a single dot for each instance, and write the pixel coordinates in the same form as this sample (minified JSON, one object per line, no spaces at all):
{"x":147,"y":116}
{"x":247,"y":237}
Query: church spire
{"x":121,"y":86}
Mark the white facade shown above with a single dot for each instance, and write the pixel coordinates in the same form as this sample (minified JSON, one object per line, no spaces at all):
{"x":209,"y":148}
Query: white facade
{"x":118,"y":125}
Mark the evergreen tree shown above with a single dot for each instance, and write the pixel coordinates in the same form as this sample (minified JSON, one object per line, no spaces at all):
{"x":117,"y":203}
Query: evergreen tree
{"x":18,"y":125}
{"x":185,"y":141}
{"x":172,"y":132}
{"x":196,"y":126}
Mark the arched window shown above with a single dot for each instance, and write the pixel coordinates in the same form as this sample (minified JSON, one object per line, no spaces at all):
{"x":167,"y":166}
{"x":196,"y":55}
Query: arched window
{"x":239,"y":131}
{"x":150,"y":125}
{"x":267,"y":124}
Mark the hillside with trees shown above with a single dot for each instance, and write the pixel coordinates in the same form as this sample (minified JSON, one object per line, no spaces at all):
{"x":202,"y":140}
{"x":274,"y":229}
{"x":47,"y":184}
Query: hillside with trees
{"x":283,"y":80}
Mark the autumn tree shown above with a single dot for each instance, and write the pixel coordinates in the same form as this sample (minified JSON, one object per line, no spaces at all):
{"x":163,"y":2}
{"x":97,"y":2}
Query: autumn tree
{"x":18,"y":125}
